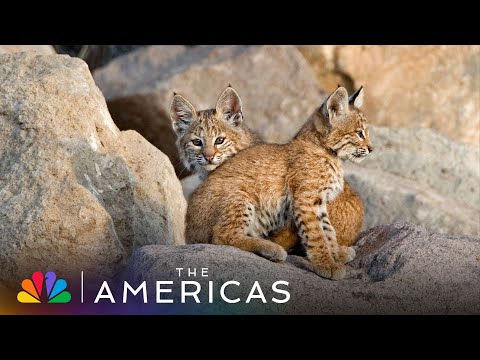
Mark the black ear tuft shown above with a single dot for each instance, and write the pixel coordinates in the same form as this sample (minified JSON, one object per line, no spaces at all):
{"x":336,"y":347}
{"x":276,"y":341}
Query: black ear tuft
{"x":357,"y":98}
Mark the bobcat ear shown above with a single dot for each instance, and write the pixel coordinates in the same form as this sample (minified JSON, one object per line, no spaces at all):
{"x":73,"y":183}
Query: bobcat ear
{"x":357,"y":98}
{"x":336,"y":105}
{"x":182,"y":113}
{"x":229,"y":106}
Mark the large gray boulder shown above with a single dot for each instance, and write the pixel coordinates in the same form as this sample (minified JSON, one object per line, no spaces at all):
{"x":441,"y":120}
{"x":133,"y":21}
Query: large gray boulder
{"x":76,"y":193}
{"x":399,"y":269}
{"x":419,"y":176}
{"x":276,"y":84}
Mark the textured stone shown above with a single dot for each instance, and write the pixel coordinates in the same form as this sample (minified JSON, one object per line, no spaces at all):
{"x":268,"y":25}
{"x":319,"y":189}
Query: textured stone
{"x":322,"y":59}
{"x":276,"y":84}
{"x":390,"y":198}
{"x":76,"y":193}
{"x":400,"y":269}
{"x":41,"y":49}
{"x":422,"y":155}
{"x":418,"y":176}
{"x":409,"y":86}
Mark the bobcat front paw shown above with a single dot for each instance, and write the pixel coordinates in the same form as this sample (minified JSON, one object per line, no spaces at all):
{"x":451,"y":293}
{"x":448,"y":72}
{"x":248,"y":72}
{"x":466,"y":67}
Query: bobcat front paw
{"x":345,"y":254}
{"x":273,"y":252}
{"x":332,"y":271}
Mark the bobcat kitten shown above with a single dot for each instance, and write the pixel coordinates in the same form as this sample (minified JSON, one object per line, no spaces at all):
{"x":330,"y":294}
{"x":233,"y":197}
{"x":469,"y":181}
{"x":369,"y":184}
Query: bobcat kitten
{"x":205,"y":139}
{"x":269,"y":187}
{"x":197,"y":131}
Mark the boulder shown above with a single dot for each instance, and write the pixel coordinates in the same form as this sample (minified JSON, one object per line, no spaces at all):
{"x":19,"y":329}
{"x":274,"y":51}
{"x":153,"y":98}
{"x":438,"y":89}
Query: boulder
{"x":424,"y":156}
{"x":409,"y":86}
{"x":322,"y":59}
{"x":390,"y":198}
{"x":41,"y":49}
{"x":399,"y":269}
{"x":418,"y":176}
{"x":76,"y":193}
{"x":276,"y":84}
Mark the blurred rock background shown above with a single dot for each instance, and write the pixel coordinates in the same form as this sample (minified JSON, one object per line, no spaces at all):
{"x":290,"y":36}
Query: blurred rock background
{"x":95,"y":55}
{"x":429,"y":176}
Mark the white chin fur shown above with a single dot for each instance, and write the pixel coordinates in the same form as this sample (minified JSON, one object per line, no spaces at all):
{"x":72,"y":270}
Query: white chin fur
{"x":210,"y":167}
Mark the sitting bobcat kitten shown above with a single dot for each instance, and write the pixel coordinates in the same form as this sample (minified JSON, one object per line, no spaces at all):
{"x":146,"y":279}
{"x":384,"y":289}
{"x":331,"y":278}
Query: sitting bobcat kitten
{"x":268,"y":187}
{"x":197,"y":131}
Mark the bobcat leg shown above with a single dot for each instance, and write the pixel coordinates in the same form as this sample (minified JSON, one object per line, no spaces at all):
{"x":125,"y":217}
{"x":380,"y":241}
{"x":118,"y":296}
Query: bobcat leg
{"x":318,"y":237}
{"x":230,"y":230}
{"x":259,"y":246}
{"x":340,"y":253}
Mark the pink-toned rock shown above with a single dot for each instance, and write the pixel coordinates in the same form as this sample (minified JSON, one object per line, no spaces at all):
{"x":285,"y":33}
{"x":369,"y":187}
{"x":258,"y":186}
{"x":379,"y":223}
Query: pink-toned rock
{"x":409,"y":86}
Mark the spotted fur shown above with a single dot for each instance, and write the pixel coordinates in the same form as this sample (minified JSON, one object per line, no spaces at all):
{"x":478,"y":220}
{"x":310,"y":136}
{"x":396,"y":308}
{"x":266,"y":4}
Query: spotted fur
{"x":274,"y":187}
{"x":205,"y":139}
{"x":346,"y":211}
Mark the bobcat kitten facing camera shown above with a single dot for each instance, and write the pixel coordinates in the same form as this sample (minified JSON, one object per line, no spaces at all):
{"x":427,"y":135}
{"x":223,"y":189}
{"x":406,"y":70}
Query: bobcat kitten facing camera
{"x":269,"y":187}
{"x":208,"y":138}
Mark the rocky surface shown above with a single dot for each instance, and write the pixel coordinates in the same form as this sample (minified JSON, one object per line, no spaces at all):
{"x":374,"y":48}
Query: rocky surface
{"x":400,"y":269}
{"x":76,"y":193}
{"x":276,"y":84}
{"x":408,"y":86}
{"x":41,"y":49}
{"x":419,"y":176}
{"x":95,"y":55}
{"x":392,"y":198}
{"x":424,"y":156}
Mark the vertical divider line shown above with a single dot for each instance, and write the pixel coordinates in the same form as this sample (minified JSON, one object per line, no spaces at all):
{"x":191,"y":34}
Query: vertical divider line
{"x":81,"y":287}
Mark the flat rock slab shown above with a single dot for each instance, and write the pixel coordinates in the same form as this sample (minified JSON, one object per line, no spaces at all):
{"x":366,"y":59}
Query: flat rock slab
{"x":400,"y":269}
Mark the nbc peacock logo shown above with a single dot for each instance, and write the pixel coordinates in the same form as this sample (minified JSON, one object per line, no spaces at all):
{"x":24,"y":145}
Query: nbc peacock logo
{"x":54,"y":288}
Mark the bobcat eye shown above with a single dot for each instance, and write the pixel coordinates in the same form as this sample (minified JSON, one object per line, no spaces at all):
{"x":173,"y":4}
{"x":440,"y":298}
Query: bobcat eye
{"x":219,"y":140}
{"x":197,"y":142}
{"x":360,"y":134}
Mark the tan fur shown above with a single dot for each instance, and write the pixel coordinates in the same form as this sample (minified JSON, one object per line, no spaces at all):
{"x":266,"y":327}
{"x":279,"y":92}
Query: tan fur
{"x":206,"y":126}
{"x":346,"y":211}
{"x":346,"y":214}
{"x":268,"y":187}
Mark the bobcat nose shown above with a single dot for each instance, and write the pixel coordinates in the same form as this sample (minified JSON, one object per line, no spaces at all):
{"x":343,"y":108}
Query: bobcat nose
{"x":370,"y":148}
{"x":209,"y":158}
